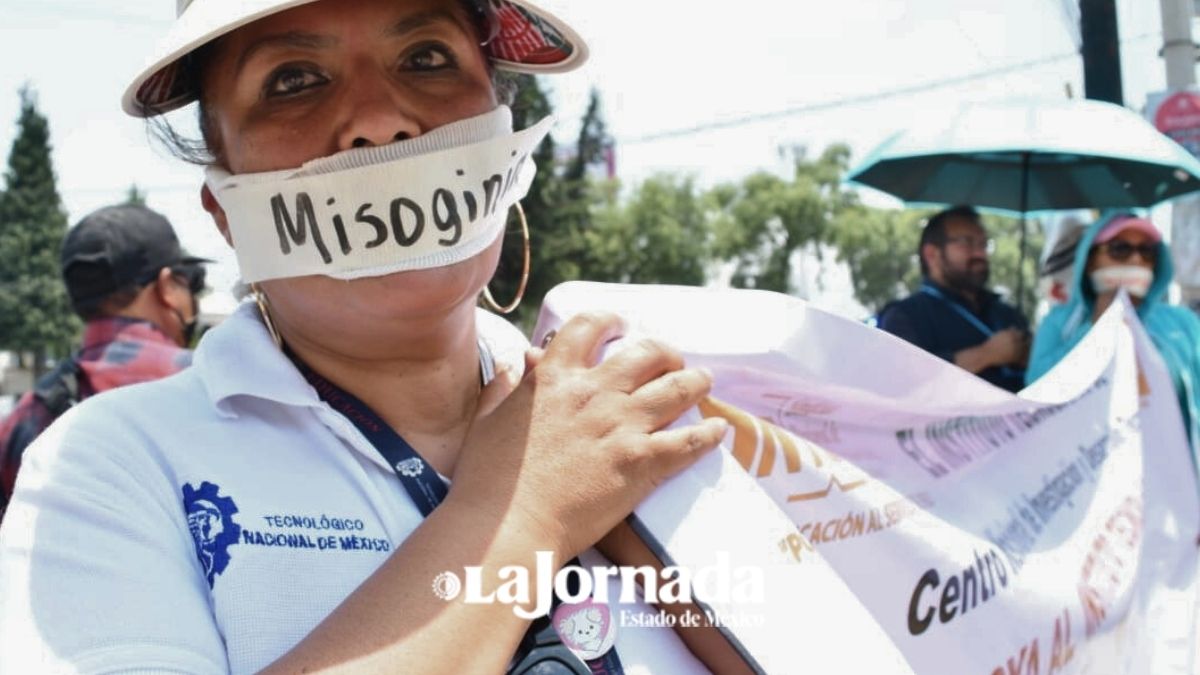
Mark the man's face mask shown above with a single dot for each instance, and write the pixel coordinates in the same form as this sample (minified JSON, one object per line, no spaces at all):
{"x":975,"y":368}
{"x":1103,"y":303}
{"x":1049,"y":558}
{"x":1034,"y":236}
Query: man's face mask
{"x":422,"y":203}
{"x":192,"y":276}
{"x":188,"y":328}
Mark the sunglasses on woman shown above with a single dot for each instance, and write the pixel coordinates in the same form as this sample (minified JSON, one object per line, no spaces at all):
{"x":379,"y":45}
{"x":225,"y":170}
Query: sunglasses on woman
{"x":1122,"y":250}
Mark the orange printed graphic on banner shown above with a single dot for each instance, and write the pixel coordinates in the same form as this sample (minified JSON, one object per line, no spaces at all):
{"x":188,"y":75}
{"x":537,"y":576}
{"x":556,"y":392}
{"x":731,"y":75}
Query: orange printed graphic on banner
{"x":754,"y":437}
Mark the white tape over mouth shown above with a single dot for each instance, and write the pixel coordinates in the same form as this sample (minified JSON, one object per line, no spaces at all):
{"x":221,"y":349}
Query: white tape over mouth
{"x":421,"y":203}
{"x":1133,"y":278}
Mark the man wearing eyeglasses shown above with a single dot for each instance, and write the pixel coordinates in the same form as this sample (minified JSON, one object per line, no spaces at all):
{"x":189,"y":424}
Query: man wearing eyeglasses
{"x":137,"y":291}
{"x":953,"y":315}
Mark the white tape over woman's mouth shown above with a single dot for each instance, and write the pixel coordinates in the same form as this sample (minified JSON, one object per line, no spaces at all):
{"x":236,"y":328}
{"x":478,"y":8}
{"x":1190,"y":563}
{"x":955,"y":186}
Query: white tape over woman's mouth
{"x":421,"y":203}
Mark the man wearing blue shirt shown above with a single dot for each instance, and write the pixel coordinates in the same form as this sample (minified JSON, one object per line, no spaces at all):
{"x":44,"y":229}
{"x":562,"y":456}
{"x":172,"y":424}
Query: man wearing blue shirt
{"x":952,"y":314}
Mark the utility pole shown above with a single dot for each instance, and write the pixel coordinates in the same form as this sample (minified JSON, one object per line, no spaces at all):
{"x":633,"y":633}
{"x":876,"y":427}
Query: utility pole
{"x":1179,"y":53}
{"x":1178,"y":50}
{"x":1101,"y":51}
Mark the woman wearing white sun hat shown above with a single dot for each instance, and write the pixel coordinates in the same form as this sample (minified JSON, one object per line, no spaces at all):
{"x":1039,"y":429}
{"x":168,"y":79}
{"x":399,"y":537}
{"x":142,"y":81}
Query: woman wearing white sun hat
{"x":273,"y":508}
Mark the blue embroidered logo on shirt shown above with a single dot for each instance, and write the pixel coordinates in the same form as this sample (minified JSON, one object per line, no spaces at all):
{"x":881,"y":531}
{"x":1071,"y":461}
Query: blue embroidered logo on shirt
{"x":210,"y":519}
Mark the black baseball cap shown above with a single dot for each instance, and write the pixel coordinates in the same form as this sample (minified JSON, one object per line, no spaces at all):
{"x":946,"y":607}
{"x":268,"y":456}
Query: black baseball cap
{"x":117,"y":247}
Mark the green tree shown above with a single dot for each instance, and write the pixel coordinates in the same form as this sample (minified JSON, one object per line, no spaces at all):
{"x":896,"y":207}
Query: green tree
{"x":34,"y":313}
{"x":563,"y":253}
{"x":880,"y":248}
{"x":660,"y":234}
{"x":558,"y":207}
{"x":589,"y":146}
{"x":135,"y":196}
{"x":1006,"y":232}
{"x":763,"y":220}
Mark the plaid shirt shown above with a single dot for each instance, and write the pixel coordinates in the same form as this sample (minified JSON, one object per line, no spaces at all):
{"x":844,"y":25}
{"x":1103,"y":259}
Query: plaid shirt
{"x":116,"y":351}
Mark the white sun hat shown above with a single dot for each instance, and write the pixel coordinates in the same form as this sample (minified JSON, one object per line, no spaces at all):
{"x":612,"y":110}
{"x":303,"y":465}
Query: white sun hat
{"x":526,"y":39}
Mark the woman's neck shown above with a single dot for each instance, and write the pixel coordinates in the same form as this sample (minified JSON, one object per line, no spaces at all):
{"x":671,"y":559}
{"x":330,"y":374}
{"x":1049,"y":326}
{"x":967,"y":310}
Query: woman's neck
{"x":421,"y":377}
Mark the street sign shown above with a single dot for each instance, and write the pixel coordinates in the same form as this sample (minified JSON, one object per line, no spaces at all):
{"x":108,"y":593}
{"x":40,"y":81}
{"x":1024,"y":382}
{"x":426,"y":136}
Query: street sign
{"x":1178,"y":116}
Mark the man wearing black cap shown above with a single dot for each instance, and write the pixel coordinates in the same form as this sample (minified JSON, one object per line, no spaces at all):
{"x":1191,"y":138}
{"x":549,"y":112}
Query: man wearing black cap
{"x":129,"y":280}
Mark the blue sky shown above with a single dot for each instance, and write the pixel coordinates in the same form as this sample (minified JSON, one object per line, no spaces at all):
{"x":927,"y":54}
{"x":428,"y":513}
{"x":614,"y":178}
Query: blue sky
{"x":659,"y":67}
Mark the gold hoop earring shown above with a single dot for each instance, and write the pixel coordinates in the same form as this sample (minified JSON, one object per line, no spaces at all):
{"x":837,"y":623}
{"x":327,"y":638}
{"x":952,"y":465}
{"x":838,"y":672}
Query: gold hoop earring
{"x":264,"y":309}
{"x":487,"y":293}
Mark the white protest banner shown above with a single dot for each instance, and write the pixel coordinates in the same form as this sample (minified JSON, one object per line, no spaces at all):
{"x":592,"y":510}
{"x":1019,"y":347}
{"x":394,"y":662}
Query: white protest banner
{"x":976,"y":531}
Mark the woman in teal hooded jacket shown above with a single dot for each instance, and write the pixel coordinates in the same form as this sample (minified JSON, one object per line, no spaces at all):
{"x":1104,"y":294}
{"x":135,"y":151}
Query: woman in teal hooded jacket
{"x":1125,"y":251}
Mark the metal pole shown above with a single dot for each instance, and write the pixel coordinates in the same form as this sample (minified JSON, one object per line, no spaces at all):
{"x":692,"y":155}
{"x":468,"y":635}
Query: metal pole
{"x":1026,"y":162}
{"x":1179,"y":54}
{"x":1178,"y":50}
{"x":1101,"y":51}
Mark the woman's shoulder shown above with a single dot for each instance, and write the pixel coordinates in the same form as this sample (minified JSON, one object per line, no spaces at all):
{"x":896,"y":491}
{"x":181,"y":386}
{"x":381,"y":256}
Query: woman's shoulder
{"x":145,"y":424}
{"x":1052,"y":323}
{"x":126,"y":427}
{"x":1058,"y":312}
{"x":1178,"y":313}
{"x":1173,"y":322}
{"x":139,"y":408}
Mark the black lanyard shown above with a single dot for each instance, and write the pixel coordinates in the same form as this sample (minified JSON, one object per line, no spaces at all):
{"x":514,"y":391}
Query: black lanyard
{"x":421,"y":482}
{"x":975,"y":321}
{"x":970,"y":318}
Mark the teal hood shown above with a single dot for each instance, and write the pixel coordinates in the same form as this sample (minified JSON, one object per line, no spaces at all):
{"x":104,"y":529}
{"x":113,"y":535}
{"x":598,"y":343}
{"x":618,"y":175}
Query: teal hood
{"x":1083,"y":297}
{"x":1174,"y":330}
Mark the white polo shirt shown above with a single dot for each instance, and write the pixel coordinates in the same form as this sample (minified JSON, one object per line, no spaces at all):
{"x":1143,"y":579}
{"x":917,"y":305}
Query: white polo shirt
{"x":206,"y":523}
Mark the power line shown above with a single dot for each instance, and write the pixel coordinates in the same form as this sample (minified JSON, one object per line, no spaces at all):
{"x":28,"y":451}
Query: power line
{"x":848,"y":101}
{"x":774,"y":115}
{"x":958,"y":21}
{"x":860,"y":99}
